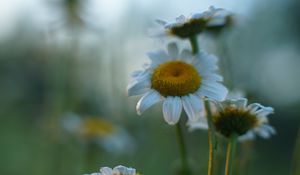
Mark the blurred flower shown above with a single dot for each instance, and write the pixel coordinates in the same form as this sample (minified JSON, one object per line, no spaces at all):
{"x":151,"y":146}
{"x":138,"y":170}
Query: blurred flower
{"x":177,"y":79}
{"x":118,"y":170}
{"x":235,"y":117}
{"x":109,"y":136}
{"x":187,"y":27}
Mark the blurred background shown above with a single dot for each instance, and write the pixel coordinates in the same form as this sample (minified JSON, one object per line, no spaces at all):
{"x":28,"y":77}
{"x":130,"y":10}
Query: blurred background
{"x":65,"y":65}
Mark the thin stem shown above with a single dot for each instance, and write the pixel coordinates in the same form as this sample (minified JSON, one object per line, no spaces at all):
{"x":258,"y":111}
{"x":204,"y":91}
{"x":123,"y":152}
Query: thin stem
{"x":231,"y":146}
{"x":194,"y":44}
{"x":183,"y":155}
{"x":211,"y":138}
{"x":211,"y":133}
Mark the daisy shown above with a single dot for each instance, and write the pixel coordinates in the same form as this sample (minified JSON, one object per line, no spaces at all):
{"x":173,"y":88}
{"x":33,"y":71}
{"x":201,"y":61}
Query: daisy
{"x":234,"y":116}
{"x":107,"y":135}
{"x":118,"y":170}
{"x":179,"y":80}
{"x":187,"y":27}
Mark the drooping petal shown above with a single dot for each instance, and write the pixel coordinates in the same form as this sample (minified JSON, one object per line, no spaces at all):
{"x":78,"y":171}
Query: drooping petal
{"x":212,"y":90}
{"x":201,"y":123}
{"x":248,"y":136}
{"x":173,"y":50}
{"x":172,"y":108}
{"x":158,"y":57}
{"x":138,"y":87}
{"x":192,"y":105}
{"x":149,"y":99}
{"x":265,"y":131}
{"x":106,"y":171}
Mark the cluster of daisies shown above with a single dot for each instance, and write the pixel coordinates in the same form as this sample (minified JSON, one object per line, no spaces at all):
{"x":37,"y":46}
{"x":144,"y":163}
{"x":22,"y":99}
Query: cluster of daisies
{"x":186,"y":79}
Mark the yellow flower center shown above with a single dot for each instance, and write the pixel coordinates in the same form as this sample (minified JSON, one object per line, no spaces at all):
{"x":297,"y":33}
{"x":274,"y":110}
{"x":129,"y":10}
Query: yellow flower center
{"x":175,"y":78}
{"x":95,"y":127}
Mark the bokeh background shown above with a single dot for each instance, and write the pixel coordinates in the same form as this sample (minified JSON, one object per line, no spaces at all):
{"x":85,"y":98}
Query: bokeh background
{"x":65,"y":65}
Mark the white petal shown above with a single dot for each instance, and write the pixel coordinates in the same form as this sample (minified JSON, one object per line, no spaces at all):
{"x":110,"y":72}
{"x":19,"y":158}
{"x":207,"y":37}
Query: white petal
{"x":106,"y":171}
{"x":248,"y":136}
{"x":138,"y":87}
{"x":197,"y":15}
{"x":201,"y":123}
{"x":124,"y":170}
{"x":173,"y":50}
{"x":136,"y":73}
{"x":181,"y":19}
{"x":186,"y":55}
{"x":149,"y":99}
{"x":158,"y":56}
{"x":239,"y":103}
{"x":205,"y":63}
{"x":172,"y":108}
{"x":171,"y":25}
{"x":192,"y":105}
{"x":213,"y":77}
{"x":254,"y":107}
{"x":212,"y":90}
{"x":265,"y":131}
{"x":264,"y":111}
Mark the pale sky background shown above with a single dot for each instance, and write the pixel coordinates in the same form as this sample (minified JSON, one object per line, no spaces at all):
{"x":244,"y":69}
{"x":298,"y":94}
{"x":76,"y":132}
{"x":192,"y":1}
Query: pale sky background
{"x":108,"y":14}
{"x":39,"y":12}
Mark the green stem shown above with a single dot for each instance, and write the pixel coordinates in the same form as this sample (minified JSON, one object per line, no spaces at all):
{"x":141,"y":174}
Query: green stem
{"x":183,"y":155}
{"x":194,"y":44}
{"x":211,"y":138}
{"x":211,"y":133}
{"x":231,"y":147}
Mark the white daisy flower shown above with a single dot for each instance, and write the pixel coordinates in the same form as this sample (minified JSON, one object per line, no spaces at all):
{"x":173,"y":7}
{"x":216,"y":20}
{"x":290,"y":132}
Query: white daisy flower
{"x":180,"y":80}
{"x":118,"y":170}
{"x":187,"y":27}
{"x":109,"y":136}
{"x":216,"y":17}
{"x":234,"y":116}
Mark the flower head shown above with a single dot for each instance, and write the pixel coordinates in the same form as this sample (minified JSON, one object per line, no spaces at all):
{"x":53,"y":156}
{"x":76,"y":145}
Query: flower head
{"x":180,"y":80}
{"x":234,"y":117}
{"x":111,"y":137}
{"x":118,"y":170}
{"x":187,"y":27}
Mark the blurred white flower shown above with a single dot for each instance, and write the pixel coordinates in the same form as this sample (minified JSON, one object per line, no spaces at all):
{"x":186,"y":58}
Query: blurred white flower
{"x":180,"y":80}
{"x":187,"y":27}
{"x":118,"y":170}
{"x":112,"y":138}
{"x":234,"y":116}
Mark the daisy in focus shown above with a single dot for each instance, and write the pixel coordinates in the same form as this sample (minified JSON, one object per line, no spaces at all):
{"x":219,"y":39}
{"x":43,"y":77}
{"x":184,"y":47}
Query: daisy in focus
{"x":187,"y":27}
{"x":180,"y":80}
{"x":118,"y":170}
{"x":235,"y":117}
